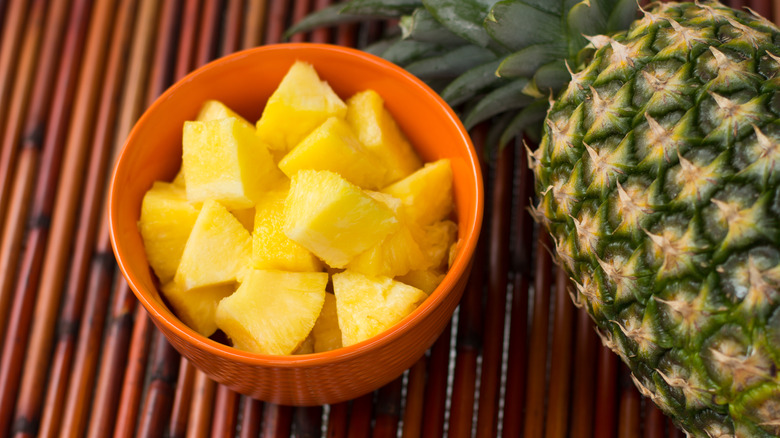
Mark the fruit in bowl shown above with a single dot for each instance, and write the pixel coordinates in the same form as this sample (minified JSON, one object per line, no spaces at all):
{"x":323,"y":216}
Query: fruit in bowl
{"x":243,"y":83}
{"x":262,"y":283}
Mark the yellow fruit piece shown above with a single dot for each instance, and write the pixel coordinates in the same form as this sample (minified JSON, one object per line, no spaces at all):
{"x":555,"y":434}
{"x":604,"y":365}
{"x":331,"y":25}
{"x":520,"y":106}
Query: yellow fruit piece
{"x":178,"y":180}
{"x":436,"y":241}
{"x":427,"y":193}
{"x":326,"y":333}
{"x":246,"y":216}
{"x":379,"y":132}
{"x":272,"y":312}
{"x":333,"y":146}
{"x":299,"y":104}
{"x":271,"y":248}
{"x":333,"y":218}
{"x":216,"y":110}
{"x":224,"y":160}
{"x":397,"y":253}
{"x":165,"y":224}
{"x":368,"y":306}
{"x":217,"y":251}
{"x":426,"y":280}
{"x":197,"y":307}
{"x":307,"y":346}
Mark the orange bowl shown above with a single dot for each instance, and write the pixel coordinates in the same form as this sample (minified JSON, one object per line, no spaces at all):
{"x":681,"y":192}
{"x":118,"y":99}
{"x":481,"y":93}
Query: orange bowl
{"x":244,"y":81}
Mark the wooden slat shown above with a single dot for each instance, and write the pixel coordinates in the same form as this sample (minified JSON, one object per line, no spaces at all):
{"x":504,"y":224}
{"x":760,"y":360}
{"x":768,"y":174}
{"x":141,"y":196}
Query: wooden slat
{"x":537,"y":357}
{"x":415,"y":392}
{"x":388,"y":407}
{"x":251,"y":418}
{"x":307,"y":421}
{"x":201,"y":407}
{"x":360,"y":417}
{"x":338,"y":420}
{"x":277,"y":421}
{"x":226,"y":412}
{"x":499,"y":220}
{"x":559,"y":391}
{"x":180,"y":411}
{"x":605,"y":423}
{"x":254,"y":28}
{"x":522,"y":267}
{"x":436,"y":388}
{"x":584,"y":377}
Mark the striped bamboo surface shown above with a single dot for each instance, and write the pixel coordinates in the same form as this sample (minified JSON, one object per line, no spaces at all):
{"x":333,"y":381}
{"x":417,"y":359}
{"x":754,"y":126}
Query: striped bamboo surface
{"x":79,"y":356}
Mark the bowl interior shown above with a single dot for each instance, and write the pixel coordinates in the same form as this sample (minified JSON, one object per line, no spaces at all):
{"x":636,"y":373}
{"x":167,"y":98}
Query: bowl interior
{"x":244,"y":81}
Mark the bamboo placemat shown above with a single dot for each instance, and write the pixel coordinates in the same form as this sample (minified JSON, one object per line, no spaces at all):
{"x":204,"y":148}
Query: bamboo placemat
{"x":80,"y":357}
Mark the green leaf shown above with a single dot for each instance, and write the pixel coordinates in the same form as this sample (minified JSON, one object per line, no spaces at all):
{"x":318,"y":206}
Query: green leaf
{"x":529,"y":116}
{"x":378,"y":48}
{"x":623,"y":14}
{"x":517,"y":25}
{"x":551,"y":6}
{"x":553,"y":76}
{"x":473,"y":81}
{"x":403,"y":52}
{"x":421,"y":26}
{"x":464,"y":18}
{"x":329,"y":16}
{"x":526,"y":61}
{"x":386,"y":8}
{"x":452,"y":63}
{"x":505,"y":98}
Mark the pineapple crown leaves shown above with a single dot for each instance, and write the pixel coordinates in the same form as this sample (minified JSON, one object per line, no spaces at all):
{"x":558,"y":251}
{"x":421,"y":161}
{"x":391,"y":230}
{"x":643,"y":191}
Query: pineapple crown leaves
{"x":487,"y":58}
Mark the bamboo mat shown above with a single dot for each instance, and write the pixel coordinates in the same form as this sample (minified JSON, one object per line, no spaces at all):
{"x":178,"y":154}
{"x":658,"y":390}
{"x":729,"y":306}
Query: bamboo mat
{"x":80,"y":357}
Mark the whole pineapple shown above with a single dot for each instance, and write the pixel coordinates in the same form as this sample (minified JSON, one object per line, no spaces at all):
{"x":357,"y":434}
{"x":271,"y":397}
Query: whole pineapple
{"x":658,"y":177}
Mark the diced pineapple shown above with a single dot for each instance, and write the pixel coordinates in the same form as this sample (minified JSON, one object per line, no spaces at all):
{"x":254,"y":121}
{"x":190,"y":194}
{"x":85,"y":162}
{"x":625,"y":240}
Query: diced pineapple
{"x":217,"y":251}
{"x":427,"y":193}
{"x":271,"y":248}
{"x":225,"y":161}
{"x":333,"y":146}
{"x":272,"y":312}
{"x":216,"y":110}
{"x":424,"y":279}
{"x":326,"y":333}
{"x":367,"y":306}
{"x":299,"y":104}
{"x":379,"y":132}
{"x":246,"y":216}
{"x":334,"y":219}
{"x":436,"y":241}
{"x":396,"y":254}
{"x":178,"y":180}
{"x":197,"y":307}
{"x":307,"y":346}
{"x":165,"y":224}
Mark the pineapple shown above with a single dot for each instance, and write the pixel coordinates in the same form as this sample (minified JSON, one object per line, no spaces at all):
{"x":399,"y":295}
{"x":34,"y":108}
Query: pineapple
{"x":367,"y":306}
{"x":271,"y":248}
{"x":656,"y":175}
{"x":197,"y":307}
{"x":333,"y":146}
{"x":224,"y":160}
{"x":426,"y":194}
{"x":427,"y":280}
{"x":216,"y":110}
{"x":326,"y":334}
{"x":165,"y":224}
{"x":301,"y":103}
{"x":379,"y":132}
{"x":218,"y":249}
{"x":334,"y":219}
{"x":272,"y":312}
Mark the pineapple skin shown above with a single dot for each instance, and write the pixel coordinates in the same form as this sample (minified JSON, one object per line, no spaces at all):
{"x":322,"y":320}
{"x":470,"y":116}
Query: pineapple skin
{"x":657,"y":179}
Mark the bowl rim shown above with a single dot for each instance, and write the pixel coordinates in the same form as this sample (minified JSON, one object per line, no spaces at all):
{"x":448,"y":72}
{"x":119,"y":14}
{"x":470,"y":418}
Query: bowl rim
{"x":159,"y":312}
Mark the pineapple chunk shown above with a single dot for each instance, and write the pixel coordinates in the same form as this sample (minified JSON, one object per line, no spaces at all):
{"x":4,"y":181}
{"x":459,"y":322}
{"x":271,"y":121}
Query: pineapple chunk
{"x":326,"y":333}
{"x":246,"y":216}
{"x":334,"y":219}
{"x":217,"y":251}
{"x":427,"y":280}
{"x":333,"y":146}
{"x":178,"y":180}
{"x":307,"y":346}
{"x":299,"y":104}
{"x":427,"y":193}
{"x":437,"y":240}
{"x":197,"y":307}
{"x":272,"y":312}
{"x":271,"y":248}
{"x":367,"y":306}
{"x":379,"y":132}
{"x":216,"y":110}
{"x":225,"y":161}
{"x":165,"y":224}
{"x":397,"y":253}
